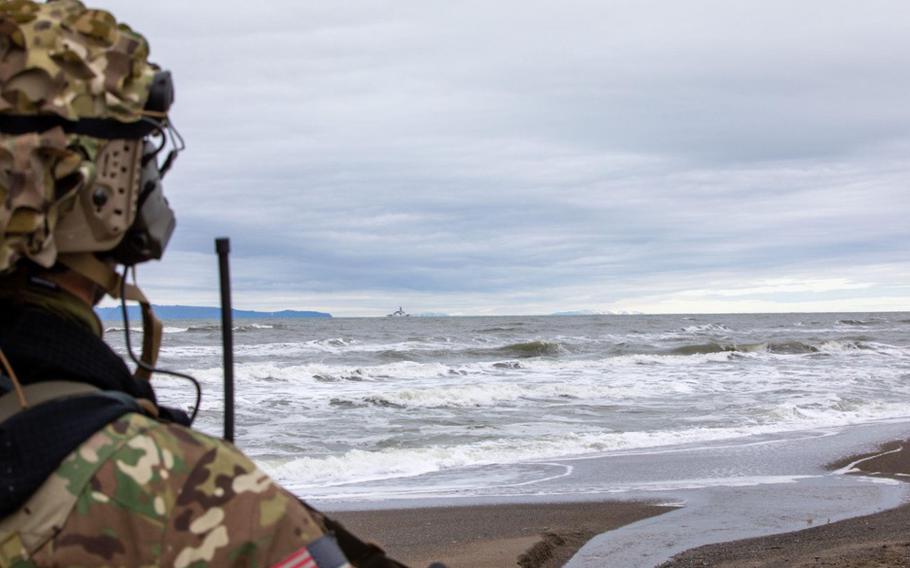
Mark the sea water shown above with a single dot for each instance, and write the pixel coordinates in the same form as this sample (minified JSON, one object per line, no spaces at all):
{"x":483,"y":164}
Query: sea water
{"x":373,"y":408}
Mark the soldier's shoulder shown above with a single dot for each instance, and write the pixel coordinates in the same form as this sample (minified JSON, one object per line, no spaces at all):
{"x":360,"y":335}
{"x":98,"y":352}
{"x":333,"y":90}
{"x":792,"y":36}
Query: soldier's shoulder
{"x":227,"y":511}
{"x":157,"y":454}
{"x":185,"y":442}
{"x":173,"y":443}
{"x":196,"y":500}
{"x":145,"y":465}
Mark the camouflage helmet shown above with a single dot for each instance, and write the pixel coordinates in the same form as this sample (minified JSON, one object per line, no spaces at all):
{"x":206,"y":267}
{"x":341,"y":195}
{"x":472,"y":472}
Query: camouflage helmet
{"x":78,"y":98}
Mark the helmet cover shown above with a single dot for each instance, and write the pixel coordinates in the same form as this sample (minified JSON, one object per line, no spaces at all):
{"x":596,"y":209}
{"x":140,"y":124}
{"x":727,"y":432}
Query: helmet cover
{"x":63,"y":61}
{"x":61,"y":58}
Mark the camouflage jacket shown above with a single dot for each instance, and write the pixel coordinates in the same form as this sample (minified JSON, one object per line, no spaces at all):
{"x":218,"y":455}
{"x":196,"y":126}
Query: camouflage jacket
{"x":145,"y":493}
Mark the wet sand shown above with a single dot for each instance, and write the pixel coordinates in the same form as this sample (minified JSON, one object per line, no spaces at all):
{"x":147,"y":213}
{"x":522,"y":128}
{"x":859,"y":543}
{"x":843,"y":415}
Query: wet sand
{"x":493,"y":536}
{"x":874,"y":541}
{"x":547,"y":535}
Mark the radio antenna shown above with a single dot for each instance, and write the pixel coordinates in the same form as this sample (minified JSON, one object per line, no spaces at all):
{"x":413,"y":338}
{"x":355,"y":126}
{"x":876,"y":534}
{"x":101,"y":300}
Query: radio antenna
{"x":223,"y":248}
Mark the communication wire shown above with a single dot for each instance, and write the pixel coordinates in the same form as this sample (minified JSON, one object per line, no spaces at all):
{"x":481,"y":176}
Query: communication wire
{"x":139,"y":362}
{"x":15,"y":380}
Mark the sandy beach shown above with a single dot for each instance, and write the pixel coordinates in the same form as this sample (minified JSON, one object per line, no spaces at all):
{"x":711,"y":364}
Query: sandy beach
{"x":547,"y":535}
{"x":493,"y":536}
{"x":874,"y":541}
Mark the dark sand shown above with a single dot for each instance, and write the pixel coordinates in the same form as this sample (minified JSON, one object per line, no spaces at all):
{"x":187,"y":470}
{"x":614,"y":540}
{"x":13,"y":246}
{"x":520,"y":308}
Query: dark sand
{"x":494,"y":536}
{"x":546,"y":536}
{"x":879,"y":541}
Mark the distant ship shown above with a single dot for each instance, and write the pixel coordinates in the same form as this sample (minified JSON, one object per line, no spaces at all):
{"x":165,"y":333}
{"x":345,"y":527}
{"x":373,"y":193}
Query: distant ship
{"x":399,"y":313}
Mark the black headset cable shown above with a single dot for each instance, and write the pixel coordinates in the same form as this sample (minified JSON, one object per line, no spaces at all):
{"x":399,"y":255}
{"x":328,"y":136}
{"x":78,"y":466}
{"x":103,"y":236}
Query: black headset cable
{"x":142,"y":364}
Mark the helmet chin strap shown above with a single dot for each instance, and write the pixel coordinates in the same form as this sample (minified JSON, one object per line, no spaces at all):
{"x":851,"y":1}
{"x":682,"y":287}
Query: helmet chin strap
{"x":17,"y":386}
{"x":104,"y":275}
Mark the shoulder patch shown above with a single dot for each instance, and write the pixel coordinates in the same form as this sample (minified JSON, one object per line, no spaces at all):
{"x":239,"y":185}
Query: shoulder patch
{"x":322,"y":553}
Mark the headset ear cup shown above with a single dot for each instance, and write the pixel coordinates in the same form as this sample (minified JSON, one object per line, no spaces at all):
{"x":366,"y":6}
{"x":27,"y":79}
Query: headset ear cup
{"x":161,"y":93}
{"x":106,"y":204}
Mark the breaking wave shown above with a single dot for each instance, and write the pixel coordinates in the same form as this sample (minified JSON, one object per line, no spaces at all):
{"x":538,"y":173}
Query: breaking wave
{"x":254,"y":327}
{"x":241,"y":328}
{"x":442,"y":397}
{"x":166,"y":329}
{"x":708,"y":328}
{"x":775,"y":347}
{"x":362,"y":465}
{"x":116,"y":329}
{"x":358,"y":465}
{"x":531,"y":349}
{"x":522,"y":350}
{"x":502,"y":329}
{"x":859,"y":323}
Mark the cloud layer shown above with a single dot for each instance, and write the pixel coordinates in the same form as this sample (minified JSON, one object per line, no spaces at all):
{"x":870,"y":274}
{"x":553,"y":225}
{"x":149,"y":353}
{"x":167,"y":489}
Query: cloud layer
{"x":529,"y":157}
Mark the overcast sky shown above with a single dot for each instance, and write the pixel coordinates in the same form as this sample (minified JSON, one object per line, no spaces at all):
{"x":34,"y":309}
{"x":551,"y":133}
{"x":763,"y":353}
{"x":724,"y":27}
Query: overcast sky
{"x":526,"y":157}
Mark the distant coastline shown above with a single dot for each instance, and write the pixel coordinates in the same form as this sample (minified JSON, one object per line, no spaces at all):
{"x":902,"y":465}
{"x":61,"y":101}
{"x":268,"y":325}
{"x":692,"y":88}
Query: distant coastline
{"x":595,"y":313}
{"x":202,"y":312}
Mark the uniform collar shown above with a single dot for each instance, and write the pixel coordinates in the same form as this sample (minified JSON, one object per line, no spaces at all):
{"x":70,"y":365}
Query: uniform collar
{"x":25,"y":289}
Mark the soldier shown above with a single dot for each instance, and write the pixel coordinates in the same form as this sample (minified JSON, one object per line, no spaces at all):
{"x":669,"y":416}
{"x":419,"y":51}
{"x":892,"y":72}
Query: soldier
{"x":93,"y":471}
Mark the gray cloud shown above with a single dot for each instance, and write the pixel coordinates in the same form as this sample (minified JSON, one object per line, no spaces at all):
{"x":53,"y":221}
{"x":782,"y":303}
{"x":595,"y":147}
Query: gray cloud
{"x":516,"y":157}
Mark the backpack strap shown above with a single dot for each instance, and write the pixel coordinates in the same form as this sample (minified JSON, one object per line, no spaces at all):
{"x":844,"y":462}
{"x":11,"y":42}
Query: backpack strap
{"x":39,"y":393}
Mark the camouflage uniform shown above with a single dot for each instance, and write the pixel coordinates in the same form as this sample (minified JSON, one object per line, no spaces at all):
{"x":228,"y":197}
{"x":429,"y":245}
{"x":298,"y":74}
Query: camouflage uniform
{"x":143,"y":493}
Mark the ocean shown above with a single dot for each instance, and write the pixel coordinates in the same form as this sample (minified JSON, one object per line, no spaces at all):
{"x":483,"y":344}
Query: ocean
{"x":365,"y":409}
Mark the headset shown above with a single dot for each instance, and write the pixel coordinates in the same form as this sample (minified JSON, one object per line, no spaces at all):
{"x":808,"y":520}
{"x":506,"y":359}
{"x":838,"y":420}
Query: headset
{"x":151,"y":230}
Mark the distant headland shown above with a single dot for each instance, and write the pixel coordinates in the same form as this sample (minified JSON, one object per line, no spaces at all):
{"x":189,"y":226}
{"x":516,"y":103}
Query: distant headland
{"x":201,"y":312}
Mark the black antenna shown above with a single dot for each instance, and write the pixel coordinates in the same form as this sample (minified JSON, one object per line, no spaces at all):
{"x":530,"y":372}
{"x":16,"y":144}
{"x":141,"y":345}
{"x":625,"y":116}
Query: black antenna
{"x":223,"y":248}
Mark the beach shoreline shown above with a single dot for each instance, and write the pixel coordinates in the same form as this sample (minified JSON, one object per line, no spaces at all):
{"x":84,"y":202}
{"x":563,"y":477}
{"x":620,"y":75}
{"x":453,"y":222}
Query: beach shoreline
{"x":868,"y":541}
{"x":547,"y":535}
